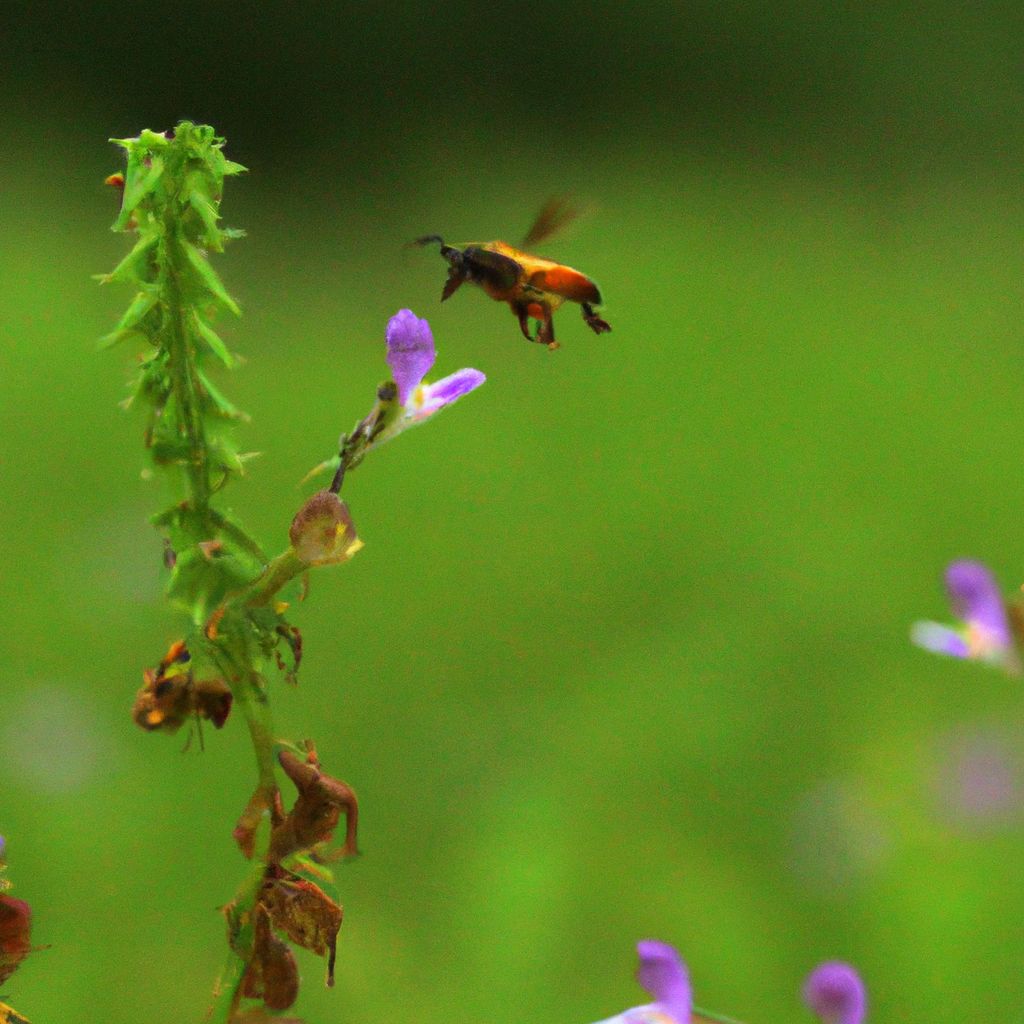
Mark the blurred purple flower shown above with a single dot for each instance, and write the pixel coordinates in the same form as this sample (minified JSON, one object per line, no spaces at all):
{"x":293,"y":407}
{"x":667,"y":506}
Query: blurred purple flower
{"x":979,"y":779}
{"x":664,"y":975}
{"x":835,"y":993}
{"x":411,"y":354}
{"x":984,"y":633}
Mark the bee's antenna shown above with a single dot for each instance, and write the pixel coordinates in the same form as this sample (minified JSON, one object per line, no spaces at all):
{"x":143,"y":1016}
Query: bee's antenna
{"x":427,"y":240}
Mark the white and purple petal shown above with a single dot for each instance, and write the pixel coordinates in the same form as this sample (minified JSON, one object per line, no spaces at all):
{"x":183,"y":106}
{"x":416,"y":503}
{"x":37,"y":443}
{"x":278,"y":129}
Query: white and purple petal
{"x":939,"y":639}
{"x":976,"y":599}
{"x":411,"y":351}
{"x":835,"y":993}
{"x":641,"y":1015}
{"x":448,"y":389}
{"x":663,"y":973}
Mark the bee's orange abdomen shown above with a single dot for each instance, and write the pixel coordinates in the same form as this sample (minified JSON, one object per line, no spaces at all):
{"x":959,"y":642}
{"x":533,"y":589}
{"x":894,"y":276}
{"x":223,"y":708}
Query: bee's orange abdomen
{"x":568,"y":283}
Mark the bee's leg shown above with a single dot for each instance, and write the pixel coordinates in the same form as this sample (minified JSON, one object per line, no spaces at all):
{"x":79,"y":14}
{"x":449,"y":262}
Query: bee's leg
{"x":546,"y":332}
{"x":452,"y":282}
{"x":541,"y":312}
{"x":524,"y":321}
{"x":593,"y":321}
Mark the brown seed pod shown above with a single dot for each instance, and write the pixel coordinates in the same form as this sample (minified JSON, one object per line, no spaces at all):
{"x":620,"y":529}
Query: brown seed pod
{"x":306,"y":914}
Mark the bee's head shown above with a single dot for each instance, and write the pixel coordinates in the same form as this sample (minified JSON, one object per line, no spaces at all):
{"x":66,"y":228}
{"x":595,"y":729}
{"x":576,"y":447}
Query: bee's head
{"x":459,"y":269}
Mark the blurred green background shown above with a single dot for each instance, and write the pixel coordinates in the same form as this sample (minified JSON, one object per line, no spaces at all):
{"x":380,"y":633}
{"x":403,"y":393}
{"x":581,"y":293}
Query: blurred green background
{"x":625,"y":654}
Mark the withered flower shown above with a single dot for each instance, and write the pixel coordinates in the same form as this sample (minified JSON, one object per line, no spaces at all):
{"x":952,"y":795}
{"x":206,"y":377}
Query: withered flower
{"x":244,"y":832}
{"x":15,"y":934}
{"x":170,"y":695}
{"x":322,"y":532}
{"x":306,"y":914}
{"x":272,"y":974}
{"x":316,"y":811}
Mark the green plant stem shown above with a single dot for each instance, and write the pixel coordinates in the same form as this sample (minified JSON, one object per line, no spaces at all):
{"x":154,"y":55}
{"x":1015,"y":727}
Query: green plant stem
{"x":182,"y":369}
{"x":716,"y":1017}
{"x":228,"y":991}
{"x":281,"y":570}
{"x":245,"y":680}
{"x":250,"y":694}
{"x":256,"y":708}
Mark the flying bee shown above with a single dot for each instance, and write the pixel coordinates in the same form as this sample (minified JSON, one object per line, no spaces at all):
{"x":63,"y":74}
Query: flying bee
{"x":533,"y":287}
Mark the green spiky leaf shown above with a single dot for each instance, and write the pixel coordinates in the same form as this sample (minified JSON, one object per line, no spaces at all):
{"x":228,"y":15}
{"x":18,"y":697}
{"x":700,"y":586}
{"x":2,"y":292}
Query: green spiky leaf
{"x":209,"y":278}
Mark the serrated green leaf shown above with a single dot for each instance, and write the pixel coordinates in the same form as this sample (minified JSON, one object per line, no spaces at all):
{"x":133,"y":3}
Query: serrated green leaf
{"x":221,"y":404}
{"x":168,"y":517}
{"x":126,"y":270}
{"x":327,"y":466}
{"x":208,"y":212}
{"x":223,"y":454}
{"x":209,"y":278}
{"x":139,"y":181}
{"x":230,"y":167}
{"x":214,"y":340}
{"x":116,"y":337}
{"x":143,"y":302}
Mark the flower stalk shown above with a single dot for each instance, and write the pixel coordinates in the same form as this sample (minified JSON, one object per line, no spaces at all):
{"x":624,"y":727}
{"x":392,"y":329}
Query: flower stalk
{"x":217,"y":573}
{"x":233,"y":598}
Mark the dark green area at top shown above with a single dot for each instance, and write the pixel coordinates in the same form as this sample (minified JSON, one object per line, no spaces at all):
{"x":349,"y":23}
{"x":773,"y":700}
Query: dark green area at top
{"x":864,"y":86}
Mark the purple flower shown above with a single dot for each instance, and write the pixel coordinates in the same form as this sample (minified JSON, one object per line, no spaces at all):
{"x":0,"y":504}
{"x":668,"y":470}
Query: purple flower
{"x":664,"y":975}
{"x":984,"y":632}
{"x":410,"y":351}
{"x":411,"y":355}
{"x":835,"y":993}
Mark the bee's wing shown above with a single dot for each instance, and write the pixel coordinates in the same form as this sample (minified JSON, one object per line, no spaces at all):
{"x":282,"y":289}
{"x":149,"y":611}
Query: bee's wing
{"x":555,"y":214}
{"x":501,"y":270}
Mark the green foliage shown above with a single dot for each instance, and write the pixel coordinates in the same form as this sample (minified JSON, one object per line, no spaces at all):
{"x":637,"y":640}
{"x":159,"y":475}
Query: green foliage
{"x":172,"y":191}
{"x":219,"y":575}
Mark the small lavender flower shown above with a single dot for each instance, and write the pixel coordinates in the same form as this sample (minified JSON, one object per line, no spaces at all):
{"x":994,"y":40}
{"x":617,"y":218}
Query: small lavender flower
{"x":984,"y":633}
{"x":664,"y":975}
{"x":411,"y":354}
{"x":834,"y":992}
{"x":979,"y":779}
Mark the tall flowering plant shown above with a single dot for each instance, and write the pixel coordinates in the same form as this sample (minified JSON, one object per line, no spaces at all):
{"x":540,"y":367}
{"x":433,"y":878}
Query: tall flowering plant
{"x":233,"y":601}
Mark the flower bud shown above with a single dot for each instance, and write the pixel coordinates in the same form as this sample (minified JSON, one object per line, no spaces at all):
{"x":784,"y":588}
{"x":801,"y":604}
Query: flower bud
{"x":835,"y":993}
{"x":322,"y":532}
